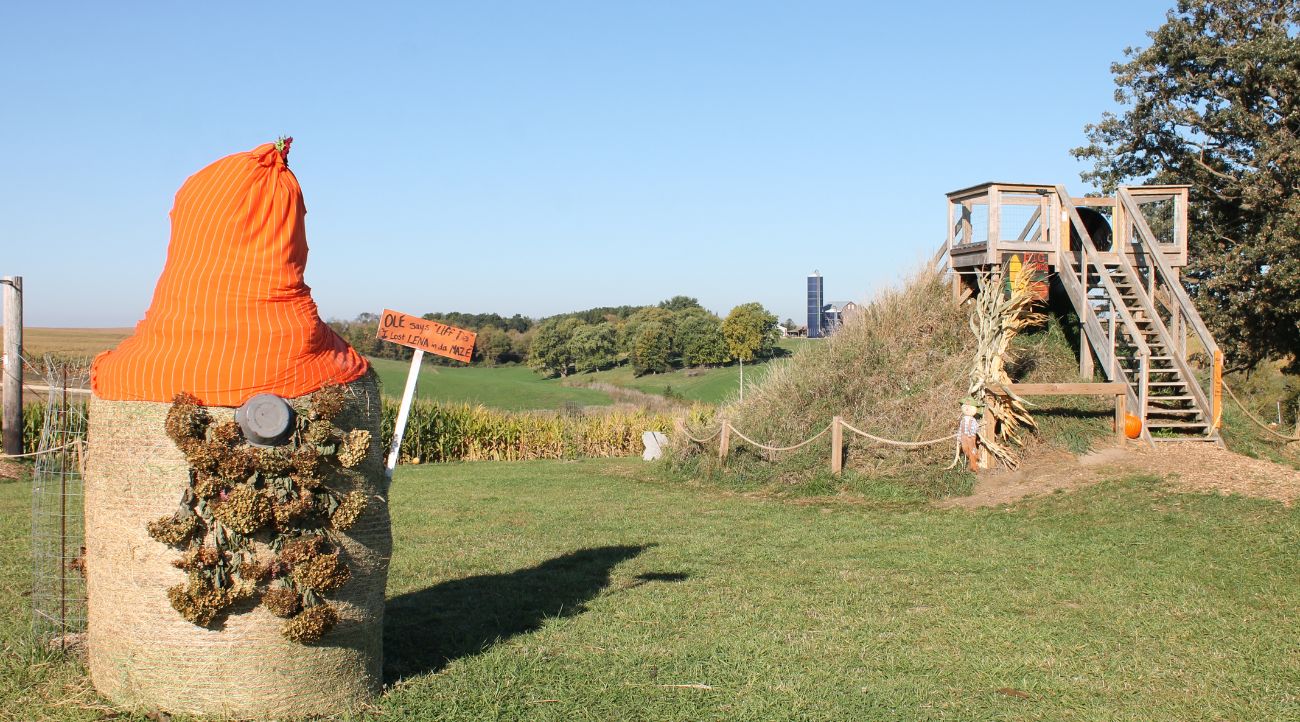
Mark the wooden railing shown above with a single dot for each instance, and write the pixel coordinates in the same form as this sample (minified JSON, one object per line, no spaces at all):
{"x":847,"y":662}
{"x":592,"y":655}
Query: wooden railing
{"x":1183,"y":313}
{"x":1103,"y":342}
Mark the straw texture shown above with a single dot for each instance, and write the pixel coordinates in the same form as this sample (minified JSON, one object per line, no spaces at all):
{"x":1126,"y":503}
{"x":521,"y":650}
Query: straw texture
{"x":144,"y":655}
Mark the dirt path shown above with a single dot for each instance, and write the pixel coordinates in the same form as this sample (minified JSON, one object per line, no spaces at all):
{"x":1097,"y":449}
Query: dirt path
{"x":1193,"y":467}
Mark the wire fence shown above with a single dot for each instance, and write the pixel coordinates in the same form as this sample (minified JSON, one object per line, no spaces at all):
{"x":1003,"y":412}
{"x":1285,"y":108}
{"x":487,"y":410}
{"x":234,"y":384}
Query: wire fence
{"x":58,"y":583}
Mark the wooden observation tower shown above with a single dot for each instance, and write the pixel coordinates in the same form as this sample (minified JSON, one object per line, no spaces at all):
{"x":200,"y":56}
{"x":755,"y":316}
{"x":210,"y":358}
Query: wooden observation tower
{"x":1117,"y":259}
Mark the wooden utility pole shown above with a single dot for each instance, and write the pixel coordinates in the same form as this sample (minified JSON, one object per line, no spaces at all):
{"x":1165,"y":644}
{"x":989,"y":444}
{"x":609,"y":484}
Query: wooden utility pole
{"x":12,"y":289}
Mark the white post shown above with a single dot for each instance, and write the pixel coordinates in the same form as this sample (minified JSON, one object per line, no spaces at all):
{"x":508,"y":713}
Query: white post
{"x":399,"y":428}
{"x":742,"y":379}
{"x":12,"y":289}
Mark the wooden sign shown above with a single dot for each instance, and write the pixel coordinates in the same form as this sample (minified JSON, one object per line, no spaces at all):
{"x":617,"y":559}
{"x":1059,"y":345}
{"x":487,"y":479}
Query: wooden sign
{"x":1030,"y":268}
{"x":421,"y":335}
{"x":425,"y":335}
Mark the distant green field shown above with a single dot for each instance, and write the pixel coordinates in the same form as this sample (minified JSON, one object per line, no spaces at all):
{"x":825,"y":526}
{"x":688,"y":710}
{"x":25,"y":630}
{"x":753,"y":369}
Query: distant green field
{"x":502,"y":387}
{"x":709,"y":386}
{"x":519,"y":387}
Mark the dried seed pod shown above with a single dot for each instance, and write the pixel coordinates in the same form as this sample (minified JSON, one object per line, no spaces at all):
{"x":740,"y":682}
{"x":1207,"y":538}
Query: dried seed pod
{"x":302,"y":549}
{"x":237,"y":464}
{"x":306,"y":460}
{"x":349,"y":510}
{"x":199,"y":601}
{"x":308,"y":482}
{"x":273,"y":462}
{"x":205,"y":456}
{"x":228,"y":434}
{"x":245,"y":509}
{"x":289,"y":513}
{"x":207,"y":486}
{"x":319,"y":433}
{"x":323,"y":574}
{"x":186,"y":419}
{"x":354,"y":447}
{"x":174,"y":529}
{"x":327,"y":402}
{"x":311,"y":624}
{"x":254,"y":571}
{"x":282,"y":601}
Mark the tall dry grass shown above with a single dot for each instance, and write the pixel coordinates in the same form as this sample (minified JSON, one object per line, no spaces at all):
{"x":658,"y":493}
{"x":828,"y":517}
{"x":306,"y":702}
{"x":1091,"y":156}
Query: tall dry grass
{"x":897,"y":369}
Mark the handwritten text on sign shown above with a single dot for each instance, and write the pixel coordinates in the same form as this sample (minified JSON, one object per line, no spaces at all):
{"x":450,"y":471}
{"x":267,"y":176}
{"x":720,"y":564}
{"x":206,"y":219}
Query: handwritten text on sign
{"x":430,"y":336}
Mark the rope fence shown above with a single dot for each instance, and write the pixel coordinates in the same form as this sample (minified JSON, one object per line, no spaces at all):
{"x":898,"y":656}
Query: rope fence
{"x":681,"y":427}
{"x":835,"y":428}
{"x":910,"y":444}
{"x":1253,"y":417}
{"x":774,"y":449}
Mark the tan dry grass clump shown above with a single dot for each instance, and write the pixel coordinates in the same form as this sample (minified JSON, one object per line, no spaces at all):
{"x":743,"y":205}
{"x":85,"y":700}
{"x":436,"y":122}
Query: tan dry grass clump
{"x":897,"y":369}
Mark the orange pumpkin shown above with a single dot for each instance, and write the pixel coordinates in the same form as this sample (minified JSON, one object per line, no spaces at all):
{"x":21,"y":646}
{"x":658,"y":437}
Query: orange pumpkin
{"x":1132,"y":426}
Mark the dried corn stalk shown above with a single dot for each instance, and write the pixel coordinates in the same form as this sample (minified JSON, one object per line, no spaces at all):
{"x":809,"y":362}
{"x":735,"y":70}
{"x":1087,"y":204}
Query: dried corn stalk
{"x":997,"y":319}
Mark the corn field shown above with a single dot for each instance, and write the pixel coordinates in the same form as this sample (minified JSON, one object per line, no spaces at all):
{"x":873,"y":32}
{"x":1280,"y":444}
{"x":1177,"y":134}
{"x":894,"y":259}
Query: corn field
{"x":33,"y":421}
{"x":449,"y":432}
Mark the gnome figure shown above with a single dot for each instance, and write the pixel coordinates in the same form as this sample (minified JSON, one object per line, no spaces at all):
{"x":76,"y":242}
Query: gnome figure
{"x":968,"y":433}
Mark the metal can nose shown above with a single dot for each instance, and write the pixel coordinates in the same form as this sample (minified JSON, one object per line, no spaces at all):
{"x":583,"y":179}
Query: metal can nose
{"x":266,"y":420}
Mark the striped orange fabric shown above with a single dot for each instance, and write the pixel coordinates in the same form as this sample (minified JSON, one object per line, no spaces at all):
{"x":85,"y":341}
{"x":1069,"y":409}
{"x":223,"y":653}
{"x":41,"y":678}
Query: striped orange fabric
{"x":231,"y":316}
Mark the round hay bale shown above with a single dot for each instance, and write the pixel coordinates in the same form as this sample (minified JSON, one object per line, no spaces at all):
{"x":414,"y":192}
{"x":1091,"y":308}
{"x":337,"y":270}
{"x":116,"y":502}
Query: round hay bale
{"x":143,"y":655}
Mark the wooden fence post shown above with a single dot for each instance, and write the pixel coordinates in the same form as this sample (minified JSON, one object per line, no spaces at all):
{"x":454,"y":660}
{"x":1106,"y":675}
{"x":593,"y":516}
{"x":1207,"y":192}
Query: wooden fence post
{"x":724,"y":441}
{"x":12,"y":289}
{"x":1121,"y":411}
{"x":837,"y":446}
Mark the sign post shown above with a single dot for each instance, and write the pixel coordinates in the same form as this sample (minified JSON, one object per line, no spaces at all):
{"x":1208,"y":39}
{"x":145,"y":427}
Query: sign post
{"x":421,"y":335}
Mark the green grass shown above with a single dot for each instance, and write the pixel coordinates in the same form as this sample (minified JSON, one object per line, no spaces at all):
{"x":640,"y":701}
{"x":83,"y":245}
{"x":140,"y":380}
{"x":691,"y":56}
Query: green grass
{"x":590,"y":591}
{"x":708,"y":386}
{"x":520,"y":388}
{"x":513,"y":388}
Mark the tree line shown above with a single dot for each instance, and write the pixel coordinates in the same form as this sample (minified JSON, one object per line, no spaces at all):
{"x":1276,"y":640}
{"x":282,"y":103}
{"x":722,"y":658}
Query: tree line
{"x":676,"y":333}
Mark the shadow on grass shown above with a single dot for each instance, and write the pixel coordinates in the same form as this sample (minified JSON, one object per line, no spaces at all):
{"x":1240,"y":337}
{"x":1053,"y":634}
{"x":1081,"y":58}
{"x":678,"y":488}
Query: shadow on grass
{"x":425,"y":630}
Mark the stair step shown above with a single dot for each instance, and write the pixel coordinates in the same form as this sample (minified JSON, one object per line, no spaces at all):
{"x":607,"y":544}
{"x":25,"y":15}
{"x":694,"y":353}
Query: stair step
{"x":1178,"y":412}
{"x":1185,"y":439}
{"x":1162,"y":424}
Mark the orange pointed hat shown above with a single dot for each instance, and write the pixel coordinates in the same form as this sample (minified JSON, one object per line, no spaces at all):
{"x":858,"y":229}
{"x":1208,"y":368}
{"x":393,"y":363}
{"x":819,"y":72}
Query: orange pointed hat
{"x":231,"y":316}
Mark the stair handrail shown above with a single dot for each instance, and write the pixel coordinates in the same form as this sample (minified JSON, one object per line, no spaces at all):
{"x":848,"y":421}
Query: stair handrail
{"x":1147,"y":237}
{"x":1166,"y":273}
{"x":1148,"y":306}
{"x":1090,"y":256}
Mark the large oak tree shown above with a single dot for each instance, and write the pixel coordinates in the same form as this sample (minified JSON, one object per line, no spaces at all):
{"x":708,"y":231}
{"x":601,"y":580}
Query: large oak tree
{"x":1212,"y":102}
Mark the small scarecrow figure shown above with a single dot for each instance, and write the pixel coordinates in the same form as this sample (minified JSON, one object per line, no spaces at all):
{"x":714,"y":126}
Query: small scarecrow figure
{"x":968,"y":432}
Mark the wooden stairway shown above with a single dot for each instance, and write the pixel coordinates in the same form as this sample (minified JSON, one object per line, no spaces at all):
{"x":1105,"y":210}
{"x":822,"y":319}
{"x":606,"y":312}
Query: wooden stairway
{"x":1126,"y":314}
{"x":1176,"y":409}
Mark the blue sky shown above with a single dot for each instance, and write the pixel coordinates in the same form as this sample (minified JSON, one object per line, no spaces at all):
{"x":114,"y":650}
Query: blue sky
{"x":539,"y":157}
